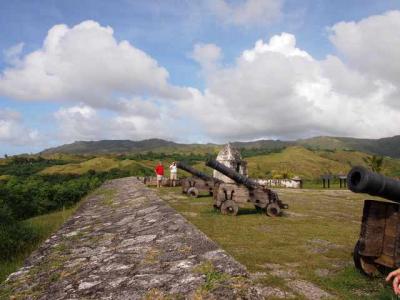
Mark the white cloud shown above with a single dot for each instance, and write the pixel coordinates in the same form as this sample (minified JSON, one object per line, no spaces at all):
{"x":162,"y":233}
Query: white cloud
{"x":82,"y":122}
{"x":247,"y":12}
{"x":371,"y":46}
{"x":109,"y":88}
{"x":86,"y":64}
{"x":284,"y":44}
{"x":13,"y":131}
{"x":278,"y":90}
{"x":346,"y":80}
{"x":272,"y":90}
{"x":207,"y":55}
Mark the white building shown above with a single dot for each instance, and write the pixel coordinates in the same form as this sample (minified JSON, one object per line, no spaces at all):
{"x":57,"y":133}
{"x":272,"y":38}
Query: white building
{"x":230,"y":157}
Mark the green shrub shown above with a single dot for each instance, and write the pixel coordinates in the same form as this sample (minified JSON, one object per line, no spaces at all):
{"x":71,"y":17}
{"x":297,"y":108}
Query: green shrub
{"x":13,"y":234}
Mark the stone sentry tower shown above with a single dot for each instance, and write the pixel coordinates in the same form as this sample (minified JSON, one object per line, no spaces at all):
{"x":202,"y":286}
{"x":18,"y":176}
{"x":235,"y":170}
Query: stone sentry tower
{"x":230,"y":157}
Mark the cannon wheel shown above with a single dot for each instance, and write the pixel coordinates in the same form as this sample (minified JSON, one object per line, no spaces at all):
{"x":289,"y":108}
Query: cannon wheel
{"x":193,"y":192}
{"x":364,"y":264}
{"x":229,"y":207}
{"x":273,"y":210}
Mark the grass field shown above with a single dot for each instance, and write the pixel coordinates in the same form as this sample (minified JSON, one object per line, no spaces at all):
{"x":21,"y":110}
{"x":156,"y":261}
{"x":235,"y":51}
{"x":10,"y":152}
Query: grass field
{"x":99,"y":164}
{"x":312,"y":242}
{"x":44,"y":226}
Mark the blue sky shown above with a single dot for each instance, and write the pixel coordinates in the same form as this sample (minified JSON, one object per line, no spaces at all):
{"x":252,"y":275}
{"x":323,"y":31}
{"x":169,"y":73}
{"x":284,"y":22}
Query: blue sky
{"x":167,"y":31}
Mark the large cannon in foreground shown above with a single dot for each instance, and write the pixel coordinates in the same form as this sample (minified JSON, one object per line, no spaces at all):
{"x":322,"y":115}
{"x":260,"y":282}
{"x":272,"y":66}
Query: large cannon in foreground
{"x":379,"y":242}
{"x":228,"y":197}
{"x":199,"y":183}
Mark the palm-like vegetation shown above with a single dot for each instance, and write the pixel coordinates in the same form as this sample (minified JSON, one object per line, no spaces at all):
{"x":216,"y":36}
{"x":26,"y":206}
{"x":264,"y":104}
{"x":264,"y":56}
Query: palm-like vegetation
{"x":374,"y":162}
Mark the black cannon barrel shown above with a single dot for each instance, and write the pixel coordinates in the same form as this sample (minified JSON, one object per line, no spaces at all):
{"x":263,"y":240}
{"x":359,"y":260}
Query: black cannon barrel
{"x":232,"y":174}
{"x":193,"y":171}
{"x":361,"y":180}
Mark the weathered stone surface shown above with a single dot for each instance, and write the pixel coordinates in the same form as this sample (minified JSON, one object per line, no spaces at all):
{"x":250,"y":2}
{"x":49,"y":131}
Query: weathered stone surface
{"x":309,"y":290}
{"x":124,"y":242}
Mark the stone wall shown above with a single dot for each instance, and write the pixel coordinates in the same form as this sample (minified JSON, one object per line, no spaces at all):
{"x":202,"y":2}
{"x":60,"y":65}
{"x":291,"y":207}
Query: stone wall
{"x":124,"y":242}
{"x":286,"y":183}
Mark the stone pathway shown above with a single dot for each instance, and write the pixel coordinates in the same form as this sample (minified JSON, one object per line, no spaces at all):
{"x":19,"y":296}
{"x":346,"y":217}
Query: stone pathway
{"x":124,"y":242}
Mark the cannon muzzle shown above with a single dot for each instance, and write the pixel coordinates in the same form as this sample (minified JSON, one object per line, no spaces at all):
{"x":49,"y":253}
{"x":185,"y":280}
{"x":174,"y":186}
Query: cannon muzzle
{"x":193,"y":171}
{"x":232,"y":174}
{"x":361,"y":180}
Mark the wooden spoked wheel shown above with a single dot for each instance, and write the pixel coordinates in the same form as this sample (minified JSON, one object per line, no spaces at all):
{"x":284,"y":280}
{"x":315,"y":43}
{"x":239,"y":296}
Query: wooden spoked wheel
{"x":229,"y":207}
{"x":193,"y":192}
{"x":364,"y":264}
{"x":273,"y":210}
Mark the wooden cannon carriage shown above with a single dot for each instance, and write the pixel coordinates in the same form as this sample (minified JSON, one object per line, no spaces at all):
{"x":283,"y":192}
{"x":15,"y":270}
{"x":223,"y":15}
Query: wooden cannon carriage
{"x":229,"y":196}
{"x":199,"y":183}
{"x":378,"y":246}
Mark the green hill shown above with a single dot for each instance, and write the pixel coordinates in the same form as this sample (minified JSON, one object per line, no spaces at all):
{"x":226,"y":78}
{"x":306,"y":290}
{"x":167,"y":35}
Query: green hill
{"x":108,"y":146}
{"x":389,"y":146}
{"x":98,"y":164}
{"x":308,"y":164}
{"x":386,"y":146}
{"x":294,"y":161}
{"x":154,"y":145}
{"x":287,"y":162}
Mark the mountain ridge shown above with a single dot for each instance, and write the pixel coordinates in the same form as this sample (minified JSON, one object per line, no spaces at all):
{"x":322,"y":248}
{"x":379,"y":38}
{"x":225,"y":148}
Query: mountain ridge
{"x":388,"y":146}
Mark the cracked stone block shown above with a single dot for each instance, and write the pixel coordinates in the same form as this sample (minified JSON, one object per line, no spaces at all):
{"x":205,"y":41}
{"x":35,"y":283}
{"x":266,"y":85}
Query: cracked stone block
{"x":88,"y":285}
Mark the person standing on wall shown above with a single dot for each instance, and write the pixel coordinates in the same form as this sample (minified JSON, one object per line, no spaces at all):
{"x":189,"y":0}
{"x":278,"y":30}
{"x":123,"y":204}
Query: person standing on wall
{"x":173,"y":173}
{"x":159,"y":173}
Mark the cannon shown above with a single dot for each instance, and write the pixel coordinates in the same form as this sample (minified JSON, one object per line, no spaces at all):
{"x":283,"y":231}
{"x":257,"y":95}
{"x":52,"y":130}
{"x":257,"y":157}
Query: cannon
{"x":378,"y":246}
{"x":228,"y":197}
{"x":199,"y":183}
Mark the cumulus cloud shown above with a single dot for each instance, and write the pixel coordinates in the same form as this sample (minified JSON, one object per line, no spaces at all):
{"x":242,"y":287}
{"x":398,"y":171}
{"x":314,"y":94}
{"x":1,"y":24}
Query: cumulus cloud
{"x":278,"y":90}
{"x":207,"y":55}
{"x":284,"y":44}
{"x":272,"y":90}
{"x":86,"y":64}
{"x":109,"y":89}
{"x":247,"y":12}
{"x":13,"y":131}
{"x":371,"y":47}
{"x":82,"y":122}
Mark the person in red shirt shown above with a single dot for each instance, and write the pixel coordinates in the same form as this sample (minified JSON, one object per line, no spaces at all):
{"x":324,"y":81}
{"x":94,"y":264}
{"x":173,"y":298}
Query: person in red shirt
{"x":159,"y":173}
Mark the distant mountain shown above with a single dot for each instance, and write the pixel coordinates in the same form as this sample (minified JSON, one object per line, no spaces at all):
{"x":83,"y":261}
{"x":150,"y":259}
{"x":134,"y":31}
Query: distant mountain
{"x":110,"y":146}
{"x":385,"y":146}
{"x":155,"y":145}
{"x":389,"y":146}
{"x":263,"y":144}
